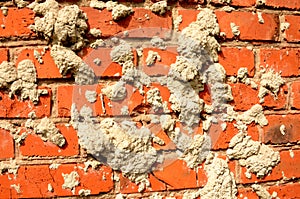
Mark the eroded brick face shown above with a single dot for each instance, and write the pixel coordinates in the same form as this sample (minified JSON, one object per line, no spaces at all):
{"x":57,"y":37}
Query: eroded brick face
{"x":253,"y":35}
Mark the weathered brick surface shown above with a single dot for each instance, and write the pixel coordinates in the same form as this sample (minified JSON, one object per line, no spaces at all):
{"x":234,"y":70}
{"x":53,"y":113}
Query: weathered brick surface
{"x":259,"y":44}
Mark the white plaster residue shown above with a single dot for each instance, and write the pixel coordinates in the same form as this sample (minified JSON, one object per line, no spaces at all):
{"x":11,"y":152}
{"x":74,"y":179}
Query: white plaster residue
{"x":282,"y":129}
{"x":159,"y":7}
{"x":154,"y":98}
{"x":97,"y":4}
{"x":20,"y":3}
{"x":65,"y":59}
{"x":184,"y":69}
{"x":97,"y":61}
{"x":125,"y":110}
{"x":292,"y":155}
{"x":17,"y":187}
{"x":84,"y":192}
{"x":121,"y":53}
{"x":221,"y":182}
{"x":256,"y":157}
{"x":260,"y":2}
{"x":283,"y":27}
{"x":115,"y":92}
{"x":167,"y":122}
{"x":242,"y":74}
{"x":228,"y":9}
{"x":156,"y":196}
{"x":11,"y":167}
{"x":202,"y":33}
{"x":119,"y":196}
{"x":152,"y":57}
{"x":47,"y":130}
{"x":38,"y":56}
{"x":235,"y":29}
{"x":4,"y":10}
{"x":91,"y":96}
{"x":95,"y":32}
{"x":254,"y":114}
{"x":158,"y":42}
{"x":176,"y":22}
{"x":197,"y":151}
{"x":66,"y":26}
{"x":270,"y":83}
{"x":91,"y":163}
{"x":54,"y":166}
{"x":261,"y":192}
{"x":97,"y":43}
{"x":121,"y":11}
{"x":50,"y":188}
{"x":71,"y":180}
{"x":260,"y":18}
{"x":8,"y":74}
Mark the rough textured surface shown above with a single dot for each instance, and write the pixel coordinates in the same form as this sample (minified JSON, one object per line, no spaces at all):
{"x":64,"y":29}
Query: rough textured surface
{"x":159,"y":7}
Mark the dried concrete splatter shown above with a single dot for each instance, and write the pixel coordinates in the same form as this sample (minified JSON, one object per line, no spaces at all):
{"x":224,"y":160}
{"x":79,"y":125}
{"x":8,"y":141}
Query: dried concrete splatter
{"x":71,"y":180}
{"x":152,"y":57}
{"x":159,"y":7}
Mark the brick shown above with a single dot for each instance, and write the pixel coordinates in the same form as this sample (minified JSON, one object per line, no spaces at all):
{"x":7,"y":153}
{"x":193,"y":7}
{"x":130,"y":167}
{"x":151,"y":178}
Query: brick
{"x":243,"y":3}
{"x":33,"y":141}
{"x":69,"y":94}
{"x":250,"y":29}
{"x":232,"y":59}
{"x":15,"y":108}
{"x":272,"y":133}
{"x":188,"y":16}
{"x":185,"y":177}
{"x":3,"y":54}
{"x":201,"y":176}
{"x":295,"y":95}
{"x":287,"y":168}
{"x":107,"y":68}
{"x":34,"y":180}
{"x":160,"y":67}
{"x":248,"y":97}
{"x":126,"y":186}
{"x":16,"y":22}
{"x":6,"y":145}
{"x":293,"y":32}
{"x":246,"y":193}
{"x":46,"y":70}
{"x":285,"y":61}
{"x":136,"y":24}
{"x":220,"y":139}
{"x":290,"y":4}
{"x":286,"y":191}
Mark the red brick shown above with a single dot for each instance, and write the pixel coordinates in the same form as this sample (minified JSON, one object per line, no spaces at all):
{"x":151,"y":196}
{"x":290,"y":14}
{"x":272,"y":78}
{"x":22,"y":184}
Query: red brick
{"x":160,"y":67}
{"x":246,"y":193}
{"x":244,"y":97}
{"x":295,"y":95}
{"x":6,"y":144}
{"x":288,"y":167}
{"x":291,"y":4}
{"x":232,"y":59}
{"x":69,"y":94}
{"x":15,"y":108}
{"x":16,"y":22}
{"x":272,"y":134}
{"x":136,"y":24}
{"x":201,"y":176}
{"x":293,"y":32}
{"x":244,"y":3}
{"x":108,"y":68}
{"x":184,"y":177}
{"x":3,"y":55}
{"x":249,"y":26}
{"x":286,"y":191}
{"x":220,"y":139}
{"x":34,"y":180}
{"x":284,"y":60}
{"x":47,"y":69}
{"x":33,"y":141}
{"x":188,"y":16}
{"x":5,"y":189}
{"x":127,"y":186}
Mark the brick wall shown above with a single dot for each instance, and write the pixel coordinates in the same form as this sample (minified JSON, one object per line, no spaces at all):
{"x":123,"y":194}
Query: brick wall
{"x":259,"y":44}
